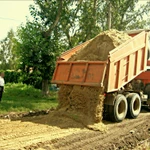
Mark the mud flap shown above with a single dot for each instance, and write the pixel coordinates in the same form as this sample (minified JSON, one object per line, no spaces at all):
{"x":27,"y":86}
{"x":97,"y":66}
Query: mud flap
{"x":110,"y":99}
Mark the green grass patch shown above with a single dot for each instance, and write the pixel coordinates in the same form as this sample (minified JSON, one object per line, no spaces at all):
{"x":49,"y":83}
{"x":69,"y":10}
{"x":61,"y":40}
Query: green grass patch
{"x":22,"y":98}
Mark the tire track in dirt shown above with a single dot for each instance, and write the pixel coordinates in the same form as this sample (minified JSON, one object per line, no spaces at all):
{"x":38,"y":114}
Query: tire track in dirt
{"x":38,"y":133}
{"x":16,"y":134}
{"x":95,"y":140}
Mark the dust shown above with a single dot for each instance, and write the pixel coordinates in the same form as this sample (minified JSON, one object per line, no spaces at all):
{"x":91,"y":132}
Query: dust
{"x":86,"y":101}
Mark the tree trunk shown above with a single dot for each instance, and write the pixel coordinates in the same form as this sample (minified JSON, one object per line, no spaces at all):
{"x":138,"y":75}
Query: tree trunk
{"x":109,"y":16}
{"x":45,"y":87}
{"x":48,"y":32}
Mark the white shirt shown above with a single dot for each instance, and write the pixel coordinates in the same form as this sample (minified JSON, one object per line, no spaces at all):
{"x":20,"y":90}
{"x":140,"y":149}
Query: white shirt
{"x":2,"y":82}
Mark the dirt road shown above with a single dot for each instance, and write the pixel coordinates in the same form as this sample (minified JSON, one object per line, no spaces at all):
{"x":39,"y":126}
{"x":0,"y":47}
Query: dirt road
{"x":48,"y":132}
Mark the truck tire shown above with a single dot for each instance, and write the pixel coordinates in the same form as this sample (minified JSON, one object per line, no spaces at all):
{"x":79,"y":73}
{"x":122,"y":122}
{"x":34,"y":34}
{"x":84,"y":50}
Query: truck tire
{"x":118,"y":111}
{"x":134,"y":105}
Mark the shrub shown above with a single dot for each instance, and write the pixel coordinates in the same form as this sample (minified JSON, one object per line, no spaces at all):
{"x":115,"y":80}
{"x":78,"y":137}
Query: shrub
{"x":12,"y":76}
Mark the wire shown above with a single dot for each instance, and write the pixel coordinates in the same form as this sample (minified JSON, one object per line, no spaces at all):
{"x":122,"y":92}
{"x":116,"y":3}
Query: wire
{"x":1,"y":18}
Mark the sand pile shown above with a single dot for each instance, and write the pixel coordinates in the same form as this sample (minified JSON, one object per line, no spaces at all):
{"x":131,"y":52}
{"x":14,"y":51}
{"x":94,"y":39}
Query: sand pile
{"x":99,"y":47}
{"x":87,"y":102}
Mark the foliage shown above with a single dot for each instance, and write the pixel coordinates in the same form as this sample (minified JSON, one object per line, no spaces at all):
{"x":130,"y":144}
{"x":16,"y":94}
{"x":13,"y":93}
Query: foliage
{"x":33,"y":78}
{"x":82,"y":20}
{"x":126,"y":16}
{"x":12,"y":76}
{"x":76,"y":25}
{"x":37,"y":54}
{"x":39,"y":44}
{"x":59,"y":25}
{"x":22,"y":98}
{"x":7,"y":52}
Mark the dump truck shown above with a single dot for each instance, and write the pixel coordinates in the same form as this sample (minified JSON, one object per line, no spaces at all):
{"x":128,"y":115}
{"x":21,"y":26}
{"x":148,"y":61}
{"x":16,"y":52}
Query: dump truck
{"x":125,"y":75}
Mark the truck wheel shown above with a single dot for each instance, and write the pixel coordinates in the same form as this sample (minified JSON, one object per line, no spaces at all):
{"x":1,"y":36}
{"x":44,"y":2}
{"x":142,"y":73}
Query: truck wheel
{"x":119,"y":110}
{"x":134,"y":105}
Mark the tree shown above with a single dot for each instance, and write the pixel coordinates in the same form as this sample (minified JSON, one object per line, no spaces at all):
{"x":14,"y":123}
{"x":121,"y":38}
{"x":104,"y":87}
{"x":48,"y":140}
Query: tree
{"x":81,"y":20}
{"x":38,"y":46}
{"x":8,"y":55}
{"x":59,"y":25}
{"x":124,"y":15}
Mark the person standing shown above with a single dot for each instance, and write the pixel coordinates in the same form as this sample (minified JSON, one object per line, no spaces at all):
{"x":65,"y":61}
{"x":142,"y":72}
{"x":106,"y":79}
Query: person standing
{"x":2,"y":83}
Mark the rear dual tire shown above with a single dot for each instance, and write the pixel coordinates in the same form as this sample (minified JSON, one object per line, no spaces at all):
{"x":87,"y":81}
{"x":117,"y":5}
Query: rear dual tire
{"x":124,"y":106}
{"x":118,"y":111}
{"x":134,"y":105}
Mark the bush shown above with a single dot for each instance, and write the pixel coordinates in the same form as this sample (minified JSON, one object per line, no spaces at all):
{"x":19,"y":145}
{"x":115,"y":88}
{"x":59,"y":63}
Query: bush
{"x":12,"y":76}
{"x":33,"y":79}
{"x":22,"y":90}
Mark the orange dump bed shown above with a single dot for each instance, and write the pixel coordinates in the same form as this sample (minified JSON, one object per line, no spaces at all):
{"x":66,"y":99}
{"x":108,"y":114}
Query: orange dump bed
{"x":80,"y":73}
{"x":124,"y":63}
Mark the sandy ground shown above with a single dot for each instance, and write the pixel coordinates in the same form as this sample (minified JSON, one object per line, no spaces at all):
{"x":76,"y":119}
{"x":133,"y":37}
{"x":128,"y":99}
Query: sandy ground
{"x":46,"y":132}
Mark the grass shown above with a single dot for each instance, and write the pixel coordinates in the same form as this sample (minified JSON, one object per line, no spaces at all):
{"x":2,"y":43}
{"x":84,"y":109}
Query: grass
{"x":22,"y":98}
